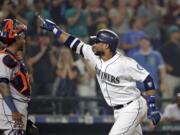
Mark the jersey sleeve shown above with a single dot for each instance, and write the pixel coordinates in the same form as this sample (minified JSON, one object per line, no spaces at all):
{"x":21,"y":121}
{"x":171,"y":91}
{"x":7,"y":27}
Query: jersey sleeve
{"x":135,"y":71}
{"x":5,"y":70}
{"x":81,"y":48}
{"x":89,"y":54}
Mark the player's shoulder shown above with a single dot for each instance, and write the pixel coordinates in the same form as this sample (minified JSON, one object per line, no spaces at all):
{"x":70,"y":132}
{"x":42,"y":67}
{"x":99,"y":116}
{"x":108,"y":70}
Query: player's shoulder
{"x":126,"y":59}
{"x":127,"y":62}
{"x":7,"y":60}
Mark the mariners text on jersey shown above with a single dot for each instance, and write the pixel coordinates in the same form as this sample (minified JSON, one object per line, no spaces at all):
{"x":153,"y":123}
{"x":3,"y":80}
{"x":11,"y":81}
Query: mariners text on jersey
{"x":107,"y":77}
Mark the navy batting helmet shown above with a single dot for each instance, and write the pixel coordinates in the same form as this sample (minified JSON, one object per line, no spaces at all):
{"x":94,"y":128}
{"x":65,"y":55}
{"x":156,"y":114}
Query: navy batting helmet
{"x":10,"y":30}
{"x":106,"y":36}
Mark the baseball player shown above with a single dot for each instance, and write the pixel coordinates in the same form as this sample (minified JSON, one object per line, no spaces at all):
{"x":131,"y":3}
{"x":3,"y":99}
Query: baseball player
{"x":15,"y":87}
{"x":117,"y":76}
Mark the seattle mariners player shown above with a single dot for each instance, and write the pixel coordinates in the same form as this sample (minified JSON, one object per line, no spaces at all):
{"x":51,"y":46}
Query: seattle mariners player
{"x":15,"y":87}
{"x":117,"y":76}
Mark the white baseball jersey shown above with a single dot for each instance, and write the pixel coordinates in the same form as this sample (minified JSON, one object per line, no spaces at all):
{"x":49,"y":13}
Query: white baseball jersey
{"x":117,"y":76}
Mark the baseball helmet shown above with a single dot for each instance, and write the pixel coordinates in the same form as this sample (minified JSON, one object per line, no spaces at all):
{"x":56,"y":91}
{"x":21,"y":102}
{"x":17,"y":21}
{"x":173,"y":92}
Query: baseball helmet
{"x":106,"y":36}
{"x":10,"y":30}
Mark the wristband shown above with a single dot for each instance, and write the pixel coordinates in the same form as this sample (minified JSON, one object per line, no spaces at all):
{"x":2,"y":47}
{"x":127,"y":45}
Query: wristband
{"x":5,"y":80}
{"x":57,"y":32}
{"x":151,"y":99}
{"x":10,"y":103}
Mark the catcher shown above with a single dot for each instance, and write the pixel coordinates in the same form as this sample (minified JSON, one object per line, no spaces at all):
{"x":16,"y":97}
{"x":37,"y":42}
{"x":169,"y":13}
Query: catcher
{"x":15,"y":88}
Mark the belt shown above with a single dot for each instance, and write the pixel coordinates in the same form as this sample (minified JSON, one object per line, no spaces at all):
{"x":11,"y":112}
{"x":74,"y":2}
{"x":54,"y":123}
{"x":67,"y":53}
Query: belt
{"x":121,"y":106}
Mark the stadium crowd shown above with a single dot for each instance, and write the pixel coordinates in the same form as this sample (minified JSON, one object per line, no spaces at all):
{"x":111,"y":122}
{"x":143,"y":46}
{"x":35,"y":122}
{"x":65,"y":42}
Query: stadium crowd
{"x":149,"y":32}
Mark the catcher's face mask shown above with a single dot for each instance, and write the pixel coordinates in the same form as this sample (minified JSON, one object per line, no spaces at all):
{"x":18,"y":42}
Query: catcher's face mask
{"x":10,"y":30}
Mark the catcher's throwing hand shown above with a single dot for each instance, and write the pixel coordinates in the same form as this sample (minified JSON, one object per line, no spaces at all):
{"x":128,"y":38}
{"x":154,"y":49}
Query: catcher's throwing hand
{"x":17,"y":117}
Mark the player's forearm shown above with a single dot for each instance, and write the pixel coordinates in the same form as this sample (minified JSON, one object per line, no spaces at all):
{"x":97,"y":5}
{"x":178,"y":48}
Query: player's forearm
{"x":63,"y":37}
{"x":6,"y":94}
{"x":4,"y":90}
{"x":150,"y":93}
{"x":69,"y":41}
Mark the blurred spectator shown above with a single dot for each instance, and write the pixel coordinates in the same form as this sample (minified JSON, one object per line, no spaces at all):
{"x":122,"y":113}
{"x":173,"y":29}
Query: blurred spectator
{"x":97,"y":16}
{"x":173,"y":10}
{"x":33,"y":21}
{"x":57,"y":10}
{"x":22,"y":9}
{"x":119,"y":18}
{"x":86,"y":86}
{"x":172,"y":111}
{"x":77,"y":21}
{"x":43,"y":72}
{"x":68,"y":75}
{"x":153,"y":62}
{"x":11,"y":10}
{"x":171,"y":54}
{"x":132,"y":6}
{"x":131,"y":38}
{"x":150,"y":13}
{"x":108,"y":5}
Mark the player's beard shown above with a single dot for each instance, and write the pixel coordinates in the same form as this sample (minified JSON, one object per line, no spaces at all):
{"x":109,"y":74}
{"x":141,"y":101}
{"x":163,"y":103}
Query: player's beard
{"x":99,"y":53}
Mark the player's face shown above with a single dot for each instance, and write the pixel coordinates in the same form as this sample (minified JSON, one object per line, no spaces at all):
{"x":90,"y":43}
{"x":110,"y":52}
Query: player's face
{"x":98,"y":49}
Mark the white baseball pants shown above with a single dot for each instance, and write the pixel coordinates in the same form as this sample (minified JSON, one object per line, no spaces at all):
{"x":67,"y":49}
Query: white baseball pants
{"x":128,"y":118}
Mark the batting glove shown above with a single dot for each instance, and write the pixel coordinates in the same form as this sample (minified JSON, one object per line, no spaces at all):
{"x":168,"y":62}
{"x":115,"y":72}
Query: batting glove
{"x":51,"y":26}
{"x":48,"y":25}
{"x":153,"y":112}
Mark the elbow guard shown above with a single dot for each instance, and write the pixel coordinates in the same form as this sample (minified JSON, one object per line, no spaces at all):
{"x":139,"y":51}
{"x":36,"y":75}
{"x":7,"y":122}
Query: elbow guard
{"x":148,"y":83}
{"x":75,"y":44}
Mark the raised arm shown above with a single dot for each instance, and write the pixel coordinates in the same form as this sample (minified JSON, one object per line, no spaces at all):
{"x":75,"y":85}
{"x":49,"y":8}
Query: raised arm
{"x":68,"y":40}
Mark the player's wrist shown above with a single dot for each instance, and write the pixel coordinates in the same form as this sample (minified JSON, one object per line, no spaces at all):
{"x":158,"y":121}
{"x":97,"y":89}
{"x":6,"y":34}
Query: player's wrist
{"x":10,"y":103}
{"x":151,"y":102}
{"x":57,"y":32}
{"x":151,"y":99}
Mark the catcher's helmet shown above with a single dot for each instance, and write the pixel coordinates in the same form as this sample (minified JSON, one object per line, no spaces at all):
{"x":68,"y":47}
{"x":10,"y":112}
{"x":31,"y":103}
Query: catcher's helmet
{"x":106,"y":36}
{"x":10,"y":30}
